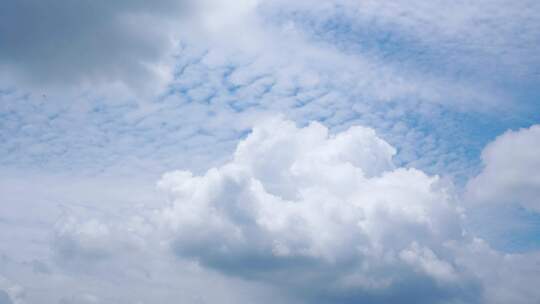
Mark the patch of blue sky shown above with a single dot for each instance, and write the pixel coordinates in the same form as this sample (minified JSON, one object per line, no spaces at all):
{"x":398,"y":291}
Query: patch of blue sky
{"x":455,"y":60}
{"x":507,"y":228}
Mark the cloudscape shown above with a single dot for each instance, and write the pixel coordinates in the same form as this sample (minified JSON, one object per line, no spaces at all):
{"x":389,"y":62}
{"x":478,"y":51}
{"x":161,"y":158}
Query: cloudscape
{"x":254,"y":151}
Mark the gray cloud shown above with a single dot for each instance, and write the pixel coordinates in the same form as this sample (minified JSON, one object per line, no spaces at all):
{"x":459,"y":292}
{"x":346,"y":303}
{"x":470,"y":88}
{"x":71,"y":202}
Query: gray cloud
{"x":86,"y":41}
{"x":4,"y":298}
{"x":11,"y":293}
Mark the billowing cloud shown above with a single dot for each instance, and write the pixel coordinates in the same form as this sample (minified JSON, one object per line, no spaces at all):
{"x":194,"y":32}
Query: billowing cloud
{"x":324,"y":216}
{"x":511,"y":174}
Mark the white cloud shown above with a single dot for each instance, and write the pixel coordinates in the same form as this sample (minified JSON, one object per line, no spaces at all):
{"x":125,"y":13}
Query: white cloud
{"x":511,"y":173}
{"x":297,"y":205}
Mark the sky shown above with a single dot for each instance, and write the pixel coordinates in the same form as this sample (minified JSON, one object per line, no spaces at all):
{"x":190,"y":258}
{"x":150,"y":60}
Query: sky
{"x":254,"y":151}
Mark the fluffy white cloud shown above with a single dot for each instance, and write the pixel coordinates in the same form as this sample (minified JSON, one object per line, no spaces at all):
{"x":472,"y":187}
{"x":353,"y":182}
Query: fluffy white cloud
{"x":300,"y":206}
{"x":512,"y":171}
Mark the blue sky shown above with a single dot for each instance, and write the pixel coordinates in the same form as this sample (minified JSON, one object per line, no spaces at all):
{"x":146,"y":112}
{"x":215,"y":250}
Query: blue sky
{"x":263,"y":105}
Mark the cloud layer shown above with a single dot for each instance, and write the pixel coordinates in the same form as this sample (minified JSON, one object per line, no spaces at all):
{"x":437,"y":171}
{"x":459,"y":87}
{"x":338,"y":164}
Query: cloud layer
{"x":98,"y":99}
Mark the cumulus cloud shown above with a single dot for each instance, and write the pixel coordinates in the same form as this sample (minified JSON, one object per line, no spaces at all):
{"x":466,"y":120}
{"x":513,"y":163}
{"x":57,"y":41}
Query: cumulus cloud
{"x":325,"y":213}
{"x":328,"y":217}
{"x":511,"y":173}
